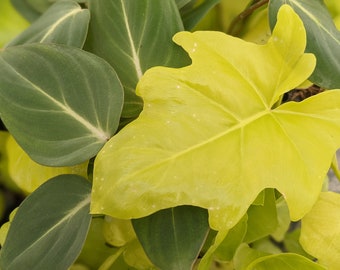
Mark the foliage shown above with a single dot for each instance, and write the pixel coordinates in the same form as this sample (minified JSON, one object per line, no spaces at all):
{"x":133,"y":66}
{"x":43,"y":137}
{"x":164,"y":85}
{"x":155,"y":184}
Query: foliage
{"x":143,"y":142}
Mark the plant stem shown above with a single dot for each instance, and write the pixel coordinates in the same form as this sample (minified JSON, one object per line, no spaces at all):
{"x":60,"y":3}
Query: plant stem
{"x":244,"y":14}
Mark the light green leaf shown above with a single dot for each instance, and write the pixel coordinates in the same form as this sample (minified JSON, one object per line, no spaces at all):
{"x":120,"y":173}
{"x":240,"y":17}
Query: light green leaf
{"x":323,"y":38}
{"x":95,"y":249}
{"x":262,"y":219}
{"x":118,"y":232}
{"x":226,"y":250}
{"x":172,"y":238}
{"x":50,"y":226}
{"x":283,"y":220}
{"x":196,"y":139}
{"x":245,"y":255}
{"x":134,"y":36}
{"x":60,"y":103}
{"x":285,"y":261}
{"x":64,"y":23}
{"x":17,"y":167}
{"x":320,"y":231}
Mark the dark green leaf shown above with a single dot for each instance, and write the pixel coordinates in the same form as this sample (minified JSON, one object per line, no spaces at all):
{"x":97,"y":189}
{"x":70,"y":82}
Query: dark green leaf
{"x":262,"y":220}
{"x":193,"y":17}
{"x":134,"y":36}
{"x":182,"y":3}
{"x":50,"y":226}
{"x":323,"y":39}
{"x":60,"y":103}
{"x":172,"y":238}
{"x":64,"y":23}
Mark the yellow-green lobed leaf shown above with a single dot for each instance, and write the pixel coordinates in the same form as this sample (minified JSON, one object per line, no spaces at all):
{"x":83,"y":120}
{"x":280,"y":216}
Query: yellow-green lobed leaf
{"x":209,"y":136}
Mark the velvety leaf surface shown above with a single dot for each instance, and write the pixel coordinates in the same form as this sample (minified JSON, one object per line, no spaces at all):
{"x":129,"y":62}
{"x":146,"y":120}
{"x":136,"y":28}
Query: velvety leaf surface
{"x":134,"y":36}
{"x":323,"y":38}
{"x":69,"y":106}
{"x":320,"y":231}
{"x":209,"y":134}
{"x":172,"y":238}
{"x":64,"y":23}
{"x":17,"y":167}
{"x":50,"y":226}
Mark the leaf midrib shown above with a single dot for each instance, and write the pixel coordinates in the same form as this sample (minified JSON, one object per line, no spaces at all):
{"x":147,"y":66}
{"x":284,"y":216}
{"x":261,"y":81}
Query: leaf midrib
{"x":75,"y":209}
{"x":314,"y":19}
{"x":98,"y":133}
{"x":240,"y":125}
{"x":58,"y":22}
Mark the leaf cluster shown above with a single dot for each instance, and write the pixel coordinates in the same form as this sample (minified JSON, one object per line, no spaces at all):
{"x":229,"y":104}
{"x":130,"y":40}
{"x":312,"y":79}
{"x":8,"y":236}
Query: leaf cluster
{"x":142,"y":141}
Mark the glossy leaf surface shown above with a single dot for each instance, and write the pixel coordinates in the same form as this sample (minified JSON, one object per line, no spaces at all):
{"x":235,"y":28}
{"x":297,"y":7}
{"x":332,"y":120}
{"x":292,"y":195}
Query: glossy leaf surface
{"x":195,"y":140}
{"x":17,"y":167}
{"x":323,"y":38}
{"x":134,"y":36}
{"x":50,"y":226}
{"x":320,"y":231}
{"x":69,"y":106}
{"x":63,"y":23}
{"x":172,"y":238}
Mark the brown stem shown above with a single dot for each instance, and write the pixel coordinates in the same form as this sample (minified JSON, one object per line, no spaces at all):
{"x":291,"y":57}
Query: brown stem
{"x":244,"y":14}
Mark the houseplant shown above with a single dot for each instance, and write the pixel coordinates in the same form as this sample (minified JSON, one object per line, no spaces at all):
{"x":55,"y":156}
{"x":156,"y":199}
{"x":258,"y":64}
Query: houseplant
{"x":140,"y":152}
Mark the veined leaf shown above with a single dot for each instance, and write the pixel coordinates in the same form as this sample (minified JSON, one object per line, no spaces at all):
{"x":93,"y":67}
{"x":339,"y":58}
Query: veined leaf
{"x":320,"y":230}
{"x":60,"y":103}
{"x":64,"y":23}
{"x":209,"y":135}
{"x":50,"y":226}
{"x":172,"y":238}
{"x":323,"y":38}
{"x":134,"y":36}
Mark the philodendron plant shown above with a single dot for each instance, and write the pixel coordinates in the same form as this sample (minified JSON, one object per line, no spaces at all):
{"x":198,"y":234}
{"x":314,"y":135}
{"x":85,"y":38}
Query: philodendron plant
{"x":173,"y":135}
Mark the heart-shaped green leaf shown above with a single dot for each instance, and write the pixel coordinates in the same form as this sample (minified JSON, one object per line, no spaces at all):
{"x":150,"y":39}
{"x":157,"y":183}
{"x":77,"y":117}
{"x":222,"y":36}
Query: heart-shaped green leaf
{"x":134,"y":36}
{"x":323,"y":38}
{"x":60,"y":103}
{"x":50,"y":226}
{"x":210,"y":134}
{"x":320,"y":230}
{"x":64,"y":23}
{"x":172,"y":238}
